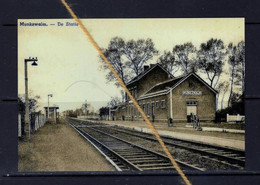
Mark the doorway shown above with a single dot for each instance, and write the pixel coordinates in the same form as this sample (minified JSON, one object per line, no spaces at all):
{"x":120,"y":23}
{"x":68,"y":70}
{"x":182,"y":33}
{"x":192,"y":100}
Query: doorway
{"x":191,"y":109}
{"x":153,"y":111}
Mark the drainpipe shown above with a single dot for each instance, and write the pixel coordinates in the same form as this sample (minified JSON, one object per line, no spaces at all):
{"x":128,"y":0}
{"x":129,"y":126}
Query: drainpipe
{"x":171,"y":116}
{"x":171,"y":103}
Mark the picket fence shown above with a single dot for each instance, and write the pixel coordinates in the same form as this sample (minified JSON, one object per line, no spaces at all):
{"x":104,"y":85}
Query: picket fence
{"x":36,"y":121}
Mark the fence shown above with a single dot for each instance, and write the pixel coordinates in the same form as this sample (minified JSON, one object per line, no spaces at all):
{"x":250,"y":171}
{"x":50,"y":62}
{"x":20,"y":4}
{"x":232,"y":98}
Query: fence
{"x":37,"y":120}
{"x":235,"y":118}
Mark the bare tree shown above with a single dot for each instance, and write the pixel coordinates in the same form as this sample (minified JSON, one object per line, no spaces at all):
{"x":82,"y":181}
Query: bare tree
{"x":114,"y":54}
{"x":32,"y":102}
{"x":78,"y":112}
{"x":236,"y":62}
{"x":184,"y":56}
{"x":210,"y":59}
{"x":240,"y":55}
{"x":128,"y":58}
{"x":113,"y":101}
{"x":167,"y":61}
{"x":222,"y":87}
{"x":138,"y":53}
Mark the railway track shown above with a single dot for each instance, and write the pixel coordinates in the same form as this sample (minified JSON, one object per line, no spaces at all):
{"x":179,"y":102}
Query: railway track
{"x":227,"y":156}
{"x":126,"y":155}
{"x":233,"y":158}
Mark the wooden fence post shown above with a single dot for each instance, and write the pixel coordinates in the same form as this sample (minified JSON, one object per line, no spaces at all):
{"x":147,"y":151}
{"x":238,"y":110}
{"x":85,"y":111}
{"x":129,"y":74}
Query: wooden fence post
{"x":19,"y":125}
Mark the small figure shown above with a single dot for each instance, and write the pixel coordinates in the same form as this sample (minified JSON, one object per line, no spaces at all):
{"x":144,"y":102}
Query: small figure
{"x":153,"y":117}
{"x":170,"y":124}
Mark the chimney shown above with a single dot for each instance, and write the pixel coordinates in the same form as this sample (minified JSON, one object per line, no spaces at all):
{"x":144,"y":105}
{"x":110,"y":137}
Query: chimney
{"x":151,"y":65}
{"x":146,"y":67}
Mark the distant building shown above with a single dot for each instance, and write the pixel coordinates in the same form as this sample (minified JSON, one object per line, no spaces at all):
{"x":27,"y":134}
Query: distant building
{"x":190,"y":94}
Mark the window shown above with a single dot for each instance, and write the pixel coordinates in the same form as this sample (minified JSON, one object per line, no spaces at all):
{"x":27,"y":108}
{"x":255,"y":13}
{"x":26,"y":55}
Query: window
{"x":148,"y":108}
{"x":163,"y":104}
{"x":157,"y":104}
{"x":191,"y":102}
{"x":135,"y":93}
{"x":144,"y":107}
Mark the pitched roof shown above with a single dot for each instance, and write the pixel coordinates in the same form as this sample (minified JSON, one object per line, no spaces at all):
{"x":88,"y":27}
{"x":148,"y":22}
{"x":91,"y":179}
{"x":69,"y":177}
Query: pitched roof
{"x":114,"y":108}
{"x":142,"y":74}
{"x":164,"y":87}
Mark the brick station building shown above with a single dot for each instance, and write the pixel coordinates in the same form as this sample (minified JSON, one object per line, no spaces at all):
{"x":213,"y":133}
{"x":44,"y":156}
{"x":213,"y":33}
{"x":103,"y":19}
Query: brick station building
{"x":163,"y":96}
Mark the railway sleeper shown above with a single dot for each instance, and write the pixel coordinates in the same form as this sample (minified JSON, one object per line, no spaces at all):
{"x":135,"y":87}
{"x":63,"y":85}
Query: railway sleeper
{"x":147,"y":161}
{"x":230,"y":155}
{"x":223,"y":153}
{"x":137,"y":157}
{"x":242,"y":158}
{"x":114,"y":147}
{"x":130,"y":154}
{"x":159,"y":168}
{"x":211,"y":150}
{"x":130,"y":151}
{"x":143,"y":158}
{"x":154,"y":164}
{"x":118,"y":146}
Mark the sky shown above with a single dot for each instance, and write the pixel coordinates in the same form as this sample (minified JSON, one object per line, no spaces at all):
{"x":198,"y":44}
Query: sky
{"x":69,"y":67}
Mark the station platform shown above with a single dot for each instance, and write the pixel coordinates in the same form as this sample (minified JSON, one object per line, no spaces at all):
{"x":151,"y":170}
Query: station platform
{"x":179,"y":131}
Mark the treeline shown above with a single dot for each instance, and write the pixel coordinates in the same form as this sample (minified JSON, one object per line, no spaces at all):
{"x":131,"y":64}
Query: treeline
{"x":129,"y":57}
{"x":80,"y":111}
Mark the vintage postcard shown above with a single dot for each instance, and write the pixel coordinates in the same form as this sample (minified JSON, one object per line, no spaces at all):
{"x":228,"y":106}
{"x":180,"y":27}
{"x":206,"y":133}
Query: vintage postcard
{"x":187,"y":75}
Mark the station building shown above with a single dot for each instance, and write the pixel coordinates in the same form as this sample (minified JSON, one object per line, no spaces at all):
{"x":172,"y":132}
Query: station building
{"x":163,"y":96}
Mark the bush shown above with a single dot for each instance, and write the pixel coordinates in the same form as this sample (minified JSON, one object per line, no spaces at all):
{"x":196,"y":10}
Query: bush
{"x":237,"y":107}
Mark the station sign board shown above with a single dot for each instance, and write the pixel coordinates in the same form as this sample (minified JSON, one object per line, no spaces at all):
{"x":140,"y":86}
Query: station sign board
{"x":191,"y":92}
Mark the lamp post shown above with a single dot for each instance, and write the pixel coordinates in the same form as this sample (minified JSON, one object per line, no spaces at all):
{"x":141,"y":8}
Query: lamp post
{"x":27,"y":120}
{"x":49,"y":95}
{"x":54,"y":113}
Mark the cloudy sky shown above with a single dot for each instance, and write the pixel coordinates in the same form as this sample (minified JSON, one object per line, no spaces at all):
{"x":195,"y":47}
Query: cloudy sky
{"x":68,"y":64}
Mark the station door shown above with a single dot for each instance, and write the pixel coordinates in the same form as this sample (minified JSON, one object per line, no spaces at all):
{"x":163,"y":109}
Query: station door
{"x":192,"y":109}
